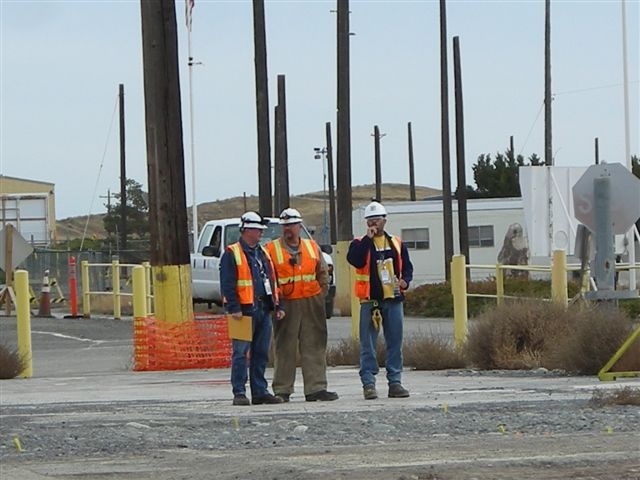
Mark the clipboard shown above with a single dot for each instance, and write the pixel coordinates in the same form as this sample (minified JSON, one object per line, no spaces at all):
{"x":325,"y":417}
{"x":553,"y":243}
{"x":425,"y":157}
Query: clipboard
{"x":240,"y":328}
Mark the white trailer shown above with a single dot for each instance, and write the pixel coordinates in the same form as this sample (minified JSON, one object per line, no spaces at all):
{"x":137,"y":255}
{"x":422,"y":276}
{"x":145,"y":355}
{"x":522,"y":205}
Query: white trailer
{"x":29,"y":214}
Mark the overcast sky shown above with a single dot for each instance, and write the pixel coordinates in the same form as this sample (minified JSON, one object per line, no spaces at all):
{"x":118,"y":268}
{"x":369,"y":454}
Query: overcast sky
{"x":62,"y":62}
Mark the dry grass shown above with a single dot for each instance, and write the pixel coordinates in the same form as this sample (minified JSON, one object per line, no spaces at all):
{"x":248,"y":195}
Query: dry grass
{"x":420,"y":352}
{"x":11,"y":363}
{"x":619,"y":396}
{"x":423,"y":352}
{"x":525,"y":335}
{"x":594,"y":337}
{"x":346,"y":352}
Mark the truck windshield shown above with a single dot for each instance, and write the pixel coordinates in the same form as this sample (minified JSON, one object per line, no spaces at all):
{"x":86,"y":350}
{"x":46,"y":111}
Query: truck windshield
{"x":273,"y":231}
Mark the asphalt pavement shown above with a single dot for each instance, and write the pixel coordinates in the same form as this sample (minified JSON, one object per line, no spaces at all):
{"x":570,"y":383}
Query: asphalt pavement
{"x":83,"y":374}
{"x":92,"y":359}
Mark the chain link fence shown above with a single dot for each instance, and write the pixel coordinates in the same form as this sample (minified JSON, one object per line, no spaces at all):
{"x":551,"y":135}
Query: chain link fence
{"x":57,"y":262}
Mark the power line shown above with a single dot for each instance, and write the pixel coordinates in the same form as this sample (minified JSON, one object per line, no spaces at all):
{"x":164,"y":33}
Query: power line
{"x":95,"y":188}
{"x":531,"y":129}
{"x":601,"y":87}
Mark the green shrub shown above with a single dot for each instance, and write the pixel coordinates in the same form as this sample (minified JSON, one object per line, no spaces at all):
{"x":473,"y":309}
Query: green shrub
{"x":434,"y":300}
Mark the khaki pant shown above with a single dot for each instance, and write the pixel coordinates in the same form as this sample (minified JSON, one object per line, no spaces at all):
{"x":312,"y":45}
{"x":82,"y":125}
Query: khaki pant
{"x":303,"y":329}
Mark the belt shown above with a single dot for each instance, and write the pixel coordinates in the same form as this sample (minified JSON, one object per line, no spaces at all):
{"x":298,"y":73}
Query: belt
{"x":262,"y":298}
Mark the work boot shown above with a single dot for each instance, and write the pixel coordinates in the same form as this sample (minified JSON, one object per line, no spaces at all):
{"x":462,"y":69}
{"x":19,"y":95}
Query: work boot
{"x":396,"y":390}
{"x":369,"y":392}
{"x":284,"y":397}
{"x":266,"y":398}
{"x":241,"y":400}
{"x":322,"y":396}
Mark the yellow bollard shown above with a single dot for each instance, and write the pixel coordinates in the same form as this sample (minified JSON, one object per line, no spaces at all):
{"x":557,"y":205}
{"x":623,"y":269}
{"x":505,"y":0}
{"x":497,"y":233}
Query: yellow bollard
{"x":139,"y":292}
{"x":148,"y":286}
{"x":86,"y":295}
{"x":24,"y":321}
{"x":355,"y":306}
{"x":499,"y":284}
{"x":459,"y":292}
{"x":559,"y":293}
{"x":115,"y":288}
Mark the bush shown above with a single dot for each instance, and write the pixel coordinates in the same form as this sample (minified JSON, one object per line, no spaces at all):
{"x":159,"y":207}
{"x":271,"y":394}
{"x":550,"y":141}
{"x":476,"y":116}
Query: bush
{"x":595,"y":336}
{"x":11,"y":363}
{"x":525,"y":335}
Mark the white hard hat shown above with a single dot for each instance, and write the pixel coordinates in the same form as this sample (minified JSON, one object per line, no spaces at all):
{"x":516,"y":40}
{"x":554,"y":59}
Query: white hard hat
{"x":374,"y":209}
{"x":290,"y":216}
{"x":252,"y":220}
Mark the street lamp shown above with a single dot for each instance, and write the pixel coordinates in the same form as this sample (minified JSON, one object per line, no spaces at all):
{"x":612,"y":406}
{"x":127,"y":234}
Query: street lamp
{"x":321,"y":154}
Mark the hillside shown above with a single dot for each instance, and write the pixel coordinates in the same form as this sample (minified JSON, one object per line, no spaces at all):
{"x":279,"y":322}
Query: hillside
{"x":310,"y":204}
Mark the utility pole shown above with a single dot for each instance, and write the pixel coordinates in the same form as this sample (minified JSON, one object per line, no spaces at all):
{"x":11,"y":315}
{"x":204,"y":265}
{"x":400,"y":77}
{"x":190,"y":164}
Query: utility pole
{"x":447,"y":210}
{"x":170,"y":260}
{"x":281,"y":161}
{"x":321,"y":154}
{"x":548,"y":152}
{"x":596,"y":150}
{"x":332,"y":196}
{"x":463,"y":223}
{"x":123,"y":176}
{"x":262,"y":109}
{"x":412,"y":176}
{"x":376,"y":148}
{"x":345,"y":223}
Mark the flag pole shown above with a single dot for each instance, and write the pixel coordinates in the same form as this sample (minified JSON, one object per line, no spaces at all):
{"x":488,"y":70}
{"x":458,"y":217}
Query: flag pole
{"x":627,"y":148}
{"x":194,"y":208}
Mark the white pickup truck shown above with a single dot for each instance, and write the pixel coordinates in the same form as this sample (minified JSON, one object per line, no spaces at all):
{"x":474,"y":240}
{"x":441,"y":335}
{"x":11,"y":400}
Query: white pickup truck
{"x":214,"y":237}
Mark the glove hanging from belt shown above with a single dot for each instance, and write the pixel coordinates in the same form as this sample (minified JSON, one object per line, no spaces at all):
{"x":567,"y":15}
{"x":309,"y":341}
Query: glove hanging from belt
{"x":376,"y":315}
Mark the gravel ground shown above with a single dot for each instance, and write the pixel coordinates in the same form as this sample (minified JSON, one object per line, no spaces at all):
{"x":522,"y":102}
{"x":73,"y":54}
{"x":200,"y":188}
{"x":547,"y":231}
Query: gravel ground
{"x":111,"y":429}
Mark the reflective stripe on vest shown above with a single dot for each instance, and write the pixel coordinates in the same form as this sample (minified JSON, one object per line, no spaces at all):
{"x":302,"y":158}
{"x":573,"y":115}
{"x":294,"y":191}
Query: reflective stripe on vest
{"x":296,"y":281}
{"x":362,"y":286}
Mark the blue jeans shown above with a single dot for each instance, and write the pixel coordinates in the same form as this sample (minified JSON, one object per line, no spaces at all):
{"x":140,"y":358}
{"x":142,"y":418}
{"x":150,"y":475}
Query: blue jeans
{"x":257,"y":351}
{"x":392,"y":322}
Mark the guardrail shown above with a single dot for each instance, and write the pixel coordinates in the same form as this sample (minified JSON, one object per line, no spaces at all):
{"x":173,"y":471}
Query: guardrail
{"x":558,"y":270}
{"x":115,"y":270}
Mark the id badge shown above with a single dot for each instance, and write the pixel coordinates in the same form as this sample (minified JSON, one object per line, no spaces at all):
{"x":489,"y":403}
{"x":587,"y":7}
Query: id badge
{"x":384,"y":276}
{"x":267,"y":286}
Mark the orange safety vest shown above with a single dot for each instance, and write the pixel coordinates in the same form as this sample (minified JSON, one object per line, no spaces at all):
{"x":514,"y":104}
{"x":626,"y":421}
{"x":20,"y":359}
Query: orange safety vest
{"x":296,"y":281}
{"x":363,"y":275}
{"x":244,"y":280}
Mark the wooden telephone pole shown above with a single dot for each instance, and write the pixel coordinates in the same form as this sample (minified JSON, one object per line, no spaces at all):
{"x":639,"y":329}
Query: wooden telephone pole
{"x":262,"y":109}
{"x":343,"y":167}
{"x":170,"y":260}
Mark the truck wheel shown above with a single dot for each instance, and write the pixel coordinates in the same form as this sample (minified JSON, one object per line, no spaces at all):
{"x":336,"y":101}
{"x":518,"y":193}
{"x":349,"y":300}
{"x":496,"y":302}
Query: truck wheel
{"x":328,"y":307}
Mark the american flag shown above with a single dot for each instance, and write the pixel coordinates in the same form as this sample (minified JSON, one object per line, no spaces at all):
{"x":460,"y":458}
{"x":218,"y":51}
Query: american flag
{"x":188,"y":8}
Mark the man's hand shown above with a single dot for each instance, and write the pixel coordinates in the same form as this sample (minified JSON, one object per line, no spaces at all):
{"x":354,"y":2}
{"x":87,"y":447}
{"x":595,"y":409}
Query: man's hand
{"x":403,"y":285}
{"x":237,"y":315}
{"x":372,"y":231}
{"x":280,"y":314}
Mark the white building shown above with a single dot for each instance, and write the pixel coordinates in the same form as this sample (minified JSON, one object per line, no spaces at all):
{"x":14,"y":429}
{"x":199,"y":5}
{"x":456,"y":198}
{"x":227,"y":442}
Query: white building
{"x":545,"y":214}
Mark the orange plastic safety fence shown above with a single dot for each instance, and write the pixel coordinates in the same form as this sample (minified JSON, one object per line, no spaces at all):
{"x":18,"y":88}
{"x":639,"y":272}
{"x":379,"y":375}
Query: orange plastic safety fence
{"x":200,"y":343}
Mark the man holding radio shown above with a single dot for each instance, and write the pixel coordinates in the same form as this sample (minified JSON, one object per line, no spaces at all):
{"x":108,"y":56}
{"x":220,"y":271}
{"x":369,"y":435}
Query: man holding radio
{"x":383,"y":273}
{"x":303,"y":280}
